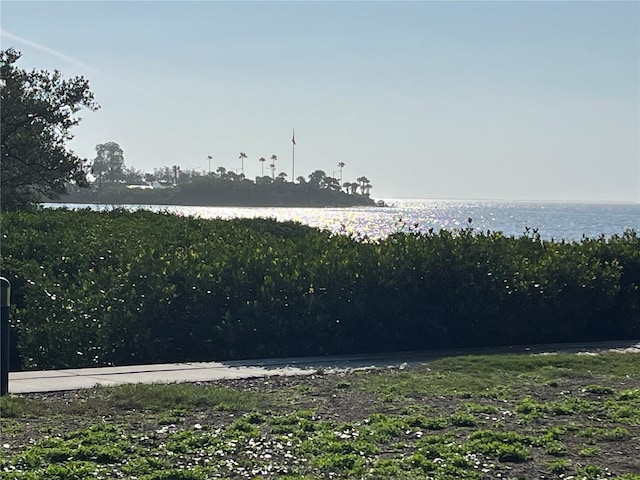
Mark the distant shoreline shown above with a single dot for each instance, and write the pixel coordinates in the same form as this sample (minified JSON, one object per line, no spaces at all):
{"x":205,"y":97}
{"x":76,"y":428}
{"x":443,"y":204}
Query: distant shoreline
{"x":212,"y":193}
{"x":224,"y":205}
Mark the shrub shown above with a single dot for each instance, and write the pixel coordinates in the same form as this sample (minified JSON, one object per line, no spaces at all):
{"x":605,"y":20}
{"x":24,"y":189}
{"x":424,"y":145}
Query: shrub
{"x":118,"y":287}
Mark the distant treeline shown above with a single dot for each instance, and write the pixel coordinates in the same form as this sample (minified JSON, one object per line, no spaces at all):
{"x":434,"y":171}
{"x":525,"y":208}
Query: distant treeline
{"x":118,"y":287}
{"x":215,"y":191}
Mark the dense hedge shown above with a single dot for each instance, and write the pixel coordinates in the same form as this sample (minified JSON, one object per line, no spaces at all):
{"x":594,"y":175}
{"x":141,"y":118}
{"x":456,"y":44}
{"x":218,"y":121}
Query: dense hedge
{"x":100,"y":288}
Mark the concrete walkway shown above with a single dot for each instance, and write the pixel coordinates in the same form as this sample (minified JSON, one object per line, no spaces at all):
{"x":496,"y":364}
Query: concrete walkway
{"x":74,"y":379}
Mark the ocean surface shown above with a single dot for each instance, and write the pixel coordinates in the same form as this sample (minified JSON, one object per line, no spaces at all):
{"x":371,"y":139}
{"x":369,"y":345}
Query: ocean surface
{"x":568,"y":221}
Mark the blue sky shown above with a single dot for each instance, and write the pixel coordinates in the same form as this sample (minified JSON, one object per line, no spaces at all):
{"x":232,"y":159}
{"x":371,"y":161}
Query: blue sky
{"x":492,"y":100}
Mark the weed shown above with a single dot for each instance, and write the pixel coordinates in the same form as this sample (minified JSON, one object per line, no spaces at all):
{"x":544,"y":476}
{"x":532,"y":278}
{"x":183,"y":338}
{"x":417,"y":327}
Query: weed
{"x":591,"y":472}
{"x":350,"y":463}
{"x":422,"y":463}
{"x":171,"y":417}
{"x":555,"y":448}
{"x":630,"y":394}
{"x":589,"y":451}
{"x":70,"y":470}
{"x":559,"y":466}
{"x":176,"y":474}
{"x":621,"y":413}
{"x":137,"y":466}
{"x":243,"y":427}
{"x":530,"y":408}
{"x":599,"y":389}
{"x":463,"y":420}
{"x":383,"y":427}
{"x":12,"y":406}
{"x":550,"y":441}
{"x":599,"y":433}
{"x":181,"y":397}
{"x":472,"y":407}
{"x":434,"y":423}
{"x":505,"y":446}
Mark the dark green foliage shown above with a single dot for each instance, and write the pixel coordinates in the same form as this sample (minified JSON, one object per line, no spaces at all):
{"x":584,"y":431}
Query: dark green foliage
{"x":212,"y":190}
{"x":38,"y":111}
{"x":118,"y":287}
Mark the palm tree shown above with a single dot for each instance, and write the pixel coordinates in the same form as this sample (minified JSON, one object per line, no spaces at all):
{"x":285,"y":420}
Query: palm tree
{"x":341,"y":166}
{"x":262,"y":160}
{"x":176,"y":171}
{"x":274,"y":157}
{"x":273,"y":170}
{"x":350,"y":187}
{"x":364,"y":184}
{"x":242,"y":157}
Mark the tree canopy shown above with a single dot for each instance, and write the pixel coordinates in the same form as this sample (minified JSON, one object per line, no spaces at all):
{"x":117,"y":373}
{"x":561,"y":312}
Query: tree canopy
{"x":109,"y":162}
{"x":38,"y":111}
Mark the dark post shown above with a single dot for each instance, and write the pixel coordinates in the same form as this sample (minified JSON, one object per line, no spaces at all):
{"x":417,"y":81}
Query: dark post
{"x":5,"y":300}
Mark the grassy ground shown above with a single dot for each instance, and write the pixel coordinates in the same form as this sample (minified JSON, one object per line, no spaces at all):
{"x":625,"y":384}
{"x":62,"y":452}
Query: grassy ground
{"x":472,"y":417}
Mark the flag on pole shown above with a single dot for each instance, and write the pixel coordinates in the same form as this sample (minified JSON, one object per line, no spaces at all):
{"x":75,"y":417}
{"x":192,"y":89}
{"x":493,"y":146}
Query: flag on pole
{"x":293,"y":138}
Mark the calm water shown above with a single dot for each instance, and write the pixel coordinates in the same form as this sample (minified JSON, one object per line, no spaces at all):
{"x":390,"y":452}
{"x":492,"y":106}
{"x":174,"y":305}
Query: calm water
{"x":569,"y":221}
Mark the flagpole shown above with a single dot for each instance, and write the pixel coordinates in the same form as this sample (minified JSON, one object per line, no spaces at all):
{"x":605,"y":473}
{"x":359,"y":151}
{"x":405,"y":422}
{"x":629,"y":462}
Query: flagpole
{"x":293,"y":156}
